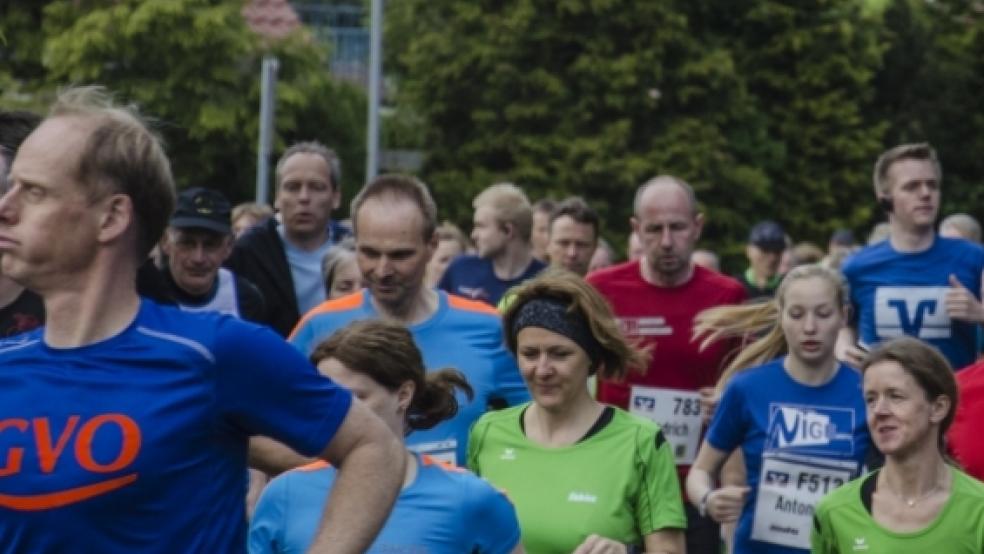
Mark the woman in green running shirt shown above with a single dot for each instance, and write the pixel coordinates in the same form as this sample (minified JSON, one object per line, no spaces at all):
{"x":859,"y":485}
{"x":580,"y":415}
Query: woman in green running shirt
{"x":918,"y":502}
{"x":585,"y":477}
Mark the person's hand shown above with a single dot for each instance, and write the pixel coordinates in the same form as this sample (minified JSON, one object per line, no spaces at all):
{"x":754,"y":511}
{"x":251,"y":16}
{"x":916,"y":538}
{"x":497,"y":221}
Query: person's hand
{"x":709,"y":399}
{"x":961,"y":304}
{"x":596,"y":544}
{"x":724,"y":504}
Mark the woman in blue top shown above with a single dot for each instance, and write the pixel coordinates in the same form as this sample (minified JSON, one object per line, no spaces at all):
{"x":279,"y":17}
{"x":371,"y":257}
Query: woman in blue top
{"x":441,"y":508}
{"x":799,"y":419}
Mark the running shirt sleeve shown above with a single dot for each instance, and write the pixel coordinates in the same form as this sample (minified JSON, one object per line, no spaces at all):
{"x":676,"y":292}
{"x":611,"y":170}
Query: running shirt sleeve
{"x":266,"y":387}
{"x":818,"y":537}
{"x":492,"y":518}
{"x":266,"y":530}
{"x":302,"y":337}
{"x":726,"y":431}
{"x":659,"y":505}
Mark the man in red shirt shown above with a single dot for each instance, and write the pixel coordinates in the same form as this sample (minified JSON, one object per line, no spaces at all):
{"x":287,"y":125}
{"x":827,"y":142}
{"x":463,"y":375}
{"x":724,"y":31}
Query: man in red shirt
{"x":656,"y":299}
{"x":964,"y":436}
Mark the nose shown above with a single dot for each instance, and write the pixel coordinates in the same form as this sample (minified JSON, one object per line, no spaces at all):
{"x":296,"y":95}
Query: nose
{"x":7,"y":211}
{"x":384,"y":268}
{"x":810,"y":323}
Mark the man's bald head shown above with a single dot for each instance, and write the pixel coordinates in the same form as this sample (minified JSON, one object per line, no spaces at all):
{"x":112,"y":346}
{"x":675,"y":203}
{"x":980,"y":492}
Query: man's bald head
{"x":658,"y":185}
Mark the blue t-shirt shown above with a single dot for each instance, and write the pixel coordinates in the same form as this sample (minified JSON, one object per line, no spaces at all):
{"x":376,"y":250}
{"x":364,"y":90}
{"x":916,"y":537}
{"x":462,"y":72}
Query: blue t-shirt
{"x":462,"y":334}
{"x":898,"y":293}
{"x":773,"y":417}
{"x":473,"y":277}
{"x":444,"y":510}
{"x":305,"y":271}
{"x":138,"y":443}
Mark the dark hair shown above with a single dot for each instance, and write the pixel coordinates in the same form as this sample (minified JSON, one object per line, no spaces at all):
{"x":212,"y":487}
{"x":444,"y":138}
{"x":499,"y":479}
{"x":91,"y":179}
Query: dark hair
{"x":617,"y":355}
{"x":930,"y":370}
{"x":386,"y":353}
{"x":396,"y":186}
{"x":577,"y":209}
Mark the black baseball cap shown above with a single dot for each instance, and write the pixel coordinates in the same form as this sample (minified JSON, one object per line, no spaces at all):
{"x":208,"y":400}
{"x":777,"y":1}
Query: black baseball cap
{"x":768,"y":236}
{"x":202,"y":208}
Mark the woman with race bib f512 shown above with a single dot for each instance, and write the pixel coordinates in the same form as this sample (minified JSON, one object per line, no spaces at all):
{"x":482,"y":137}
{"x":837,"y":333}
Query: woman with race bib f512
{"x":917,"y":503}
{"x":798,"y":419}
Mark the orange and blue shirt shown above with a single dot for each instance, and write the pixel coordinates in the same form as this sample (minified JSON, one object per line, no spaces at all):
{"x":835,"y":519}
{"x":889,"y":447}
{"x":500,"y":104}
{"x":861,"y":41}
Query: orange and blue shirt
{"x":138,"y":443}
{"x":445,"y":509}
{"x":462,"y":334}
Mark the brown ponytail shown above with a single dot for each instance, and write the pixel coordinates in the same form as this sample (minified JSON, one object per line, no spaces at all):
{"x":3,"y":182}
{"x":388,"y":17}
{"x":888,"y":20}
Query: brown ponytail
{"x":435,"y":402}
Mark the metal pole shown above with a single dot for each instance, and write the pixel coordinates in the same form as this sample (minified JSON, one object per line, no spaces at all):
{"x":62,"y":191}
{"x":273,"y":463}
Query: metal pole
{"x":268,"y":101}
{"x":375,"y":78}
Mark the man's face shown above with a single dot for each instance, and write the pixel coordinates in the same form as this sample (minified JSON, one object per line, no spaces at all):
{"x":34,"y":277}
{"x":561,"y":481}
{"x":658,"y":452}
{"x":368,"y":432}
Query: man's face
{"x":49,"y":227}
{"x":392,"y":252}
{"x":540,"y":237}
{"x":571,"y":244}
{"x":306,"y":196}
{"x":914,"y":188}
{"x":195,"y":256}
{"x":764,"y":263}
{"x":489,"y":234}
{"x":668,"y":228}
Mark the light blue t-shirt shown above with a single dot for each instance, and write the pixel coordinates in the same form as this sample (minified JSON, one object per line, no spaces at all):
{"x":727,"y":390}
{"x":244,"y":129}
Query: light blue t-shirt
{"x":305,"y":271}
{"x":462,"y":334}
{"x":813,"y":438}
{"x":444,"y":510}
{"x":138,"y":443}
{"x":897,"y":293}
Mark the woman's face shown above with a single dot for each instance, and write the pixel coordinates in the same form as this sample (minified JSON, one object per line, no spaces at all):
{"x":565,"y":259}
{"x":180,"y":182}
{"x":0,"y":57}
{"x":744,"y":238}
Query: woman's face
{"x":900,"y":417}
{"x":390,"y":406}
{"x":811,"y":319}
{"x":347,"y":278}
{"x":554,"y":367}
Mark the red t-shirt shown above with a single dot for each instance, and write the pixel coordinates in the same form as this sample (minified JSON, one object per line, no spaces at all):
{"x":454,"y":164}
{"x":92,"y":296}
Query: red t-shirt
{"x":964,"y":438}
{"x":663,"y":317}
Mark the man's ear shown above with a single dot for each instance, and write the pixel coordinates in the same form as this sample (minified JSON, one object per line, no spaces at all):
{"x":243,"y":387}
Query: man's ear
{"x":116,"y":217}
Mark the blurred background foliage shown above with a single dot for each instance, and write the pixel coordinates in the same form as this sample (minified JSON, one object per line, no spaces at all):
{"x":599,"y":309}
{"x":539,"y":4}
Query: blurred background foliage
{"x":770,"y":108}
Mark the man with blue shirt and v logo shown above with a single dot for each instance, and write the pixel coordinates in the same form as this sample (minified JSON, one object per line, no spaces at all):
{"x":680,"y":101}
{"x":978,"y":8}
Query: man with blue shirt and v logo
{"x":916,"y":283}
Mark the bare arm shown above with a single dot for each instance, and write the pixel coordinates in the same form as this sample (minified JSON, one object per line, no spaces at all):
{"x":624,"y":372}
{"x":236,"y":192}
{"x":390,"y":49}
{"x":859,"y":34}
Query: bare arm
{"x":846,"y":348}
{"x":666,"y":541}
{"x":371,"y":464}
{"x":272,"y":457}
{"x":724,"y":504}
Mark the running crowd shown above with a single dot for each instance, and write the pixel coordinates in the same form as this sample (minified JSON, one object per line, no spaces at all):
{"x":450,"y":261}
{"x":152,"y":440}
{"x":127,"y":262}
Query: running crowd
{"x":178,"y":375}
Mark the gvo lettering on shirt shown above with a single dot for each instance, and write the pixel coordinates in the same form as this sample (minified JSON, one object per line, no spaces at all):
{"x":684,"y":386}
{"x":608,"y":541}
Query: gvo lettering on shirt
{"x":645,"y":326}
{"x":19,"y":435}
{"x":582,"y":497}
{"x":913,"y":311}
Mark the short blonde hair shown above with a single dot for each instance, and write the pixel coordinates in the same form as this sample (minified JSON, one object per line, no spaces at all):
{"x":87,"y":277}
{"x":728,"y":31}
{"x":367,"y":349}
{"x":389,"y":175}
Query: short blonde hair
{"x":122,"y":156}
{"x":510,"y":205}
{"x":915,"y":151}
{"x":259,"y":212}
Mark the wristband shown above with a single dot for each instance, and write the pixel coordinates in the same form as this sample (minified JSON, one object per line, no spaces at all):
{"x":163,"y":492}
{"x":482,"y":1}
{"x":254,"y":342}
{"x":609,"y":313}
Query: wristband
{"x":702,"y":505}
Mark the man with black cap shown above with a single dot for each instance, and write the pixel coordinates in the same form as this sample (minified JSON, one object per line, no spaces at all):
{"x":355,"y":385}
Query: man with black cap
{"x":198,"y":239}
{"x":766,"y":243}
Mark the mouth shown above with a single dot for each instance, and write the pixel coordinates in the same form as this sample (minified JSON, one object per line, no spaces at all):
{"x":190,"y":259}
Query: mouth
{"x":7,"y":243}
{"x":811,"y":345}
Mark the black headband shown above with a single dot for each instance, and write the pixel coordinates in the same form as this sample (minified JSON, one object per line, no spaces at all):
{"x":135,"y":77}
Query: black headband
{"x":551,"y":314}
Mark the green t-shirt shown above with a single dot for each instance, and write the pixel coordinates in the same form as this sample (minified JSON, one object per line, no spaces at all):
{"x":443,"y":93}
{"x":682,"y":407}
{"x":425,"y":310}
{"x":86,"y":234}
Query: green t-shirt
{"x":842,"y":525}
{"x":620,"y":482}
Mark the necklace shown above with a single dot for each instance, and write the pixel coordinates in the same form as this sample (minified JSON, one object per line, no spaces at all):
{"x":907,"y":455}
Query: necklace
{"x":911,"y":502}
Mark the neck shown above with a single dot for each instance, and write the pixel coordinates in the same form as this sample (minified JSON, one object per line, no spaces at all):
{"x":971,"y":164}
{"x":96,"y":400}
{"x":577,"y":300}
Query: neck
{"x":916,"y":474}
{"x":513,"y":261}
{"x":305,"y":242}
{"x":662,"y":279}
{"x":9,"y":291}
{"x":410,"y":474}
{"x":761,"y":279}
{"x":810,"y":374}
{"x":90,"y":307}
{"x":909,"y":239}
{"x":420,"y":307}
{"x":565,"y":425}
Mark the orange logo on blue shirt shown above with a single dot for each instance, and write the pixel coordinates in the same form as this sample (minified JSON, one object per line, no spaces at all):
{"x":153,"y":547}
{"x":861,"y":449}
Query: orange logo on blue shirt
{"x":51,"y":449}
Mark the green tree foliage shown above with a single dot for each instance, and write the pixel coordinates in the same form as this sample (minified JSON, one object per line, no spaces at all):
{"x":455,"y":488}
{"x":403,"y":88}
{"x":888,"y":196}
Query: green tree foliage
{"x":193,"y":65}
{"x":758,"y":104}
{"x":930,"y":90}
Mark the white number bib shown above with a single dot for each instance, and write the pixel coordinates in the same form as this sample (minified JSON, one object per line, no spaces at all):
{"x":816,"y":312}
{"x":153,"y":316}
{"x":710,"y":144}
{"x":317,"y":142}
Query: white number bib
{"x":678,"y":414}
{"x":789,"y":489}
{"x":445,"y":451}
